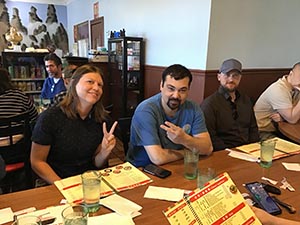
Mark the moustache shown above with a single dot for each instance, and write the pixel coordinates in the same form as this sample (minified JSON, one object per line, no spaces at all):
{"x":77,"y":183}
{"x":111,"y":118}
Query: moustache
{"x":174,"y":99}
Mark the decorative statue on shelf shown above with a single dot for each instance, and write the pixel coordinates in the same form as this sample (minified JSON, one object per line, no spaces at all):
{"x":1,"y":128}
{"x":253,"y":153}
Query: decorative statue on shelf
{"x":111,"y":34}
{"x":13,"y":36}
{"x":116,"y":34}
{"x":122,"y":33}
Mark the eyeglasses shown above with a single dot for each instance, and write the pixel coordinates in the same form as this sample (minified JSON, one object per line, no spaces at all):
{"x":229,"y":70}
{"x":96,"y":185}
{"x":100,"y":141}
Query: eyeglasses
{"x":233,"y":75}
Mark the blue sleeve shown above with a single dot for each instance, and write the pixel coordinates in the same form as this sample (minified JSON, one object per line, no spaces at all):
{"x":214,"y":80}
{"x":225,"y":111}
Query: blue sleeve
{"x":146,"y":128}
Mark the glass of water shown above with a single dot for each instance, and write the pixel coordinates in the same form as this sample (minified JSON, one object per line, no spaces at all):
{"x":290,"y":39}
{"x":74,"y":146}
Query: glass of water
{"x":75,"y":215}
{"x":91,"y":181}
{"x":267,"y":148}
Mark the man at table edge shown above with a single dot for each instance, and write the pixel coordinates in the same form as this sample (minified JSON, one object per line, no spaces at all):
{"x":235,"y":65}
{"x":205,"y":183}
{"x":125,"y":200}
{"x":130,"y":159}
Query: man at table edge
{"x":167,"y":123}
{"x":279,"y":102}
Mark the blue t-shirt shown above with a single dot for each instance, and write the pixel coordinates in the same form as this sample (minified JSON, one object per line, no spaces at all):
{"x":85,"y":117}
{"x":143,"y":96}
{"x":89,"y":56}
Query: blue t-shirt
{"x":50,"y":88}
{"x":145,"y":127}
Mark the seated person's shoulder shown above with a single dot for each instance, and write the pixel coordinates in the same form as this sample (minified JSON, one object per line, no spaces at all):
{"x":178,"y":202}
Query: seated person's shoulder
{"x":209,"y":101}
{"x":18,"y":92}
{"x":51,"y":112}
{"x":150,"y":104}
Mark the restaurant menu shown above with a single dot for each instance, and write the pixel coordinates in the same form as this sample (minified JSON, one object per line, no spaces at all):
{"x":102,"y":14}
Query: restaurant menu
{"x":219,"y":202}
{"x":283,"y":148}
{"x":114,"y":179}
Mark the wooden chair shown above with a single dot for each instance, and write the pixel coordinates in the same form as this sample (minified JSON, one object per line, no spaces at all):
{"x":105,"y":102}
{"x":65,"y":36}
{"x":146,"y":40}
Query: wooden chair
{"x":15,"y":147}
{"x":124,"y":125}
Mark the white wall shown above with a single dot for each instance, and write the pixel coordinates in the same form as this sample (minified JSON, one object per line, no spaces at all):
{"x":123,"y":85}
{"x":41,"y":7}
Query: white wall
{"x":176,"y":31}
{"x":261,"y":33}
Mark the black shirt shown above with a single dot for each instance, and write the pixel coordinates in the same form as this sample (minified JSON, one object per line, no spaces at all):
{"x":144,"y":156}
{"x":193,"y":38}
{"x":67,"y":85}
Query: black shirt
{"x":230,"y":124}
{"x":73,"y":141}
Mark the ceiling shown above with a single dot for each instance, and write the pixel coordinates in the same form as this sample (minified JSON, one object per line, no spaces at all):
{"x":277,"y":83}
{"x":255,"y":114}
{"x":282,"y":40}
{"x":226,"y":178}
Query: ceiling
{"x":55,"y":2}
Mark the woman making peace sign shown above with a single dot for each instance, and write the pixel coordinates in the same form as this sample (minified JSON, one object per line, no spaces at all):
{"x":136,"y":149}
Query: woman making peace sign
{"x":72,"y":137}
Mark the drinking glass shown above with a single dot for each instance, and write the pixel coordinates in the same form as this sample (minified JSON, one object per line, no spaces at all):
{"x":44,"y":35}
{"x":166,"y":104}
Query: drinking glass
{"x":75,"y":215}
{"x":205,"y":174}
{"x":190,"y":164}
{"x":267,"y":148}
{"x":91,"y":181}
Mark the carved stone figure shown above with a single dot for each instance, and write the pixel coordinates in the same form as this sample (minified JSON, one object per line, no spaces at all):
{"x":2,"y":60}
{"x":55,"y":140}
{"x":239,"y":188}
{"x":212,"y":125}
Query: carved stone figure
{"x":13,"y":36}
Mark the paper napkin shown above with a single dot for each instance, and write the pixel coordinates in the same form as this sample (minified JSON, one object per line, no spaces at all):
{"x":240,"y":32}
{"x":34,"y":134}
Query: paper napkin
{"x":121,"y":205}
{"x":108,"y":218}
{"x":162,"y":193}
{"x":292,"y":166}
{"x":6,"y":215}
{"x":241,"y":155}
{"x":49,"y":212}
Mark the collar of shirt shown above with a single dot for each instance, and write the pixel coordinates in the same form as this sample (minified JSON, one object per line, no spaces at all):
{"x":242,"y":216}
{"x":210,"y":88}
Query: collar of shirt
{"x":226,"y":95}
{"x":91,"y":114}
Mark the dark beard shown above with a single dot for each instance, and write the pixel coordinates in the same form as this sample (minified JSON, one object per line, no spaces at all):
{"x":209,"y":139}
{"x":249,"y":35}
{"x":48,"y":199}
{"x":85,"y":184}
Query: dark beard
{"x":171,"y":106}
{"x":229,"y":90}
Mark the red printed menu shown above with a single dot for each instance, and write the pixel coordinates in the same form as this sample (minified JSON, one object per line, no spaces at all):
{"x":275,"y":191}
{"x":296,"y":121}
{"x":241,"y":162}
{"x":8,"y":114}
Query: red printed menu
{"x":219,"y":202}
{"x":114,"y":179}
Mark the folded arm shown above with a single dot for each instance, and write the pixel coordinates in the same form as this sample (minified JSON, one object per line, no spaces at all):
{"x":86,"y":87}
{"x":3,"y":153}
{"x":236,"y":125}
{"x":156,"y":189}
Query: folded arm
{"x":160,"y":156}
{"x":291,"y":115}
{"x":200,"y":143}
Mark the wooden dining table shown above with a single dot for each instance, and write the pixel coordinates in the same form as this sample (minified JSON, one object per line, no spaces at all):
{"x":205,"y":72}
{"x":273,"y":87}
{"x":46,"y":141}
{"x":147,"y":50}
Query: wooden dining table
{"x":292,"y":131}
{"x":239,"y":170}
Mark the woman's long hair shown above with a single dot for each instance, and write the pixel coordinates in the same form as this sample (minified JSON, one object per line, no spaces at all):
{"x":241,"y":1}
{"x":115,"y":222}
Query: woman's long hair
{"x":5,"y":83}
{"x":71,"y":100}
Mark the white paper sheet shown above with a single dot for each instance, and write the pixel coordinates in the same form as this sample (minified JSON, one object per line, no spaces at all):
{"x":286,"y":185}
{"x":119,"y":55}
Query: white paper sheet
{"x":49,"y":212}
{"x":121,"y":205}
{"x":110,"y":218}
{"x":6,"y":215}
{"x":292,"y":166}
{"x":162,"y":193}
{"x":241,"y":155}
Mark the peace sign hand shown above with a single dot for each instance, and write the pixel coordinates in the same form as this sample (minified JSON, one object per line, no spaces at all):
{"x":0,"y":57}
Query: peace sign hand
{"x":174,"y":133}
{"x":109,"y":140}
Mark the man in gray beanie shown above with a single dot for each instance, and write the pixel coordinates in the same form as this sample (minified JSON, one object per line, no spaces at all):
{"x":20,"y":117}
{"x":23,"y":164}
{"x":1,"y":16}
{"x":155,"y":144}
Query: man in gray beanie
{"x":228,"y":113}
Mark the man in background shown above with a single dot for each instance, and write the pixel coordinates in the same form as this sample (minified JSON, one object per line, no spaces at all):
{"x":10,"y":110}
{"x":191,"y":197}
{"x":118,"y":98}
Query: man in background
{"x":167,"y":123}
{"x":54,"y":83}
{"x":67,"y":74}
{"x":280,"y":101}
{"x":228,"y":113}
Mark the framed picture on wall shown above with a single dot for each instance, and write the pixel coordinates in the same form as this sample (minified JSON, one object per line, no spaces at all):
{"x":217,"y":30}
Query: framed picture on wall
{"x":96,"y":10}
{"x":75,"y":33}
{"x":83,"y":30}
{"x":97,"y":32}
